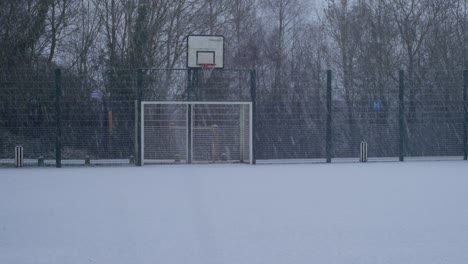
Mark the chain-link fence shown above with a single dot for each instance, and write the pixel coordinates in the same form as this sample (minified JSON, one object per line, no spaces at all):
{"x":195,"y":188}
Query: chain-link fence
{"x":291,"y":120}
{"x":98,"y":117}
{"x":88,"y":119}
{"x":435,"y":114}
{"x":366,"y":109}
{"x":65,"y":118}
{"x":27,"y":114}
{"x":190,"y":85}
{"x":398,"y":114}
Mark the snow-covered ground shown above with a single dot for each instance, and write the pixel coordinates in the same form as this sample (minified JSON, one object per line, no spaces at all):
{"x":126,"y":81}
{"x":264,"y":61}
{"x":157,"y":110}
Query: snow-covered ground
{"x":413,"y":212}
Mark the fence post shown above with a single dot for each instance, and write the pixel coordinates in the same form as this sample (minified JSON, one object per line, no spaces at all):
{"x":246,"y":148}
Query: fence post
{"x":191,"y":76}
{"x":465,"y":108}
{"x":135,"y":142}
{"x":139,"y":99}
{"x":253,"y":95}
{"x":58,"y":118}
{"x":402,"y":143}
{"x":329,"y":139}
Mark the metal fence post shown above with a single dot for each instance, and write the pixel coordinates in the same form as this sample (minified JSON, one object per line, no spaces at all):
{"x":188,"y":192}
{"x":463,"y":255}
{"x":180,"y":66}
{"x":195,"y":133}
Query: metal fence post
{"x":135,"y":143}
{"x":253,"y":95}
{"x":139,"y":99}
{"x":58,"y":118}
{"x":191,"y":76}
{"x":402,"y":143}
{"x":241,"y":133}
{"x":465,"y":108}
{"x":329,"y":139}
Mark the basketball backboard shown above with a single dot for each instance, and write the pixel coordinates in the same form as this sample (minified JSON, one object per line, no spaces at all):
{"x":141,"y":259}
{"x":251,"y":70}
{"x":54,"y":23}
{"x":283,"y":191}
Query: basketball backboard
{"x":205,"y":50}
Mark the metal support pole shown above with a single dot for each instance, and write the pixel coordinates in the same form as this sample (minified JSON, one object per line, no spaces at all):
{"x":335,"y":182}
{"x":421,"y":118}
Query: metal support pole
{"x":58,"y":118}
{"x":241,"y":132}
{"x":135,"y":143}
{"x":189,"y":116}
{"x":402,"y":125}
{"x":189,"y":133}
{"x":189,"y":84}
{"x":139,"y":122}
{"x":253,"y":95}
{"x":465,"y":107}
{"x":329,"y":139}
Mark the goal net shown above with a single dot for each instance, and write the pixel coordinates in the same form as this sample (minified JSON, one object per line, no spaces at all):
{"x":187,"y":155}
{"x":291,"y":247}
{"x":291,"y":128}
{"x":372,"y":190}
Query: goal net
{"x":198,"y":132}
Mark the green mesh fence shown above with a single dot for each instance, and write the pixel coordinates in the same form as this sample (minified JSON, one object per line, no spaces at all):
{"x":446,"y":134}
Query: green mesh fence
{"x":99,"y":113}
{"x":27,"y":114}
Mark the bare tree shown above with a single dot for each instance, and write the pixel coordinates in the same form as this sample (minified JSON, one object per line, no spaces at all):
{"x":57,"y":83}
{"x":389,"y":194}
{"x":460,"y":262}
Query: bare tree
{"x":84,"y":40}
{"x":114,"y":28}
{"x":284,"y":14}
{"x":242,"y":28}
{"x":346,"y":23}
{"x":58,"y":17}
{"x":22,"y":25}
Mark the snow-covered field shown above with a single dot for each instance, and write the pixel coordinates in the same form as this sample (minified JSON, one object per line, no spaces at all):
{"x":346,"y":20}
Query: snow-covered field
{"x":413,"y":212}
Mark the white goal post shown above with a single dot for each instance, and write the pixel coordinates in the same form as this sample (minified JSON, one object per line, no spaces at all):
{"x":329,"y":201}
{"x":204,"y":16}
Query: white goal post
{"x":196,"y":132}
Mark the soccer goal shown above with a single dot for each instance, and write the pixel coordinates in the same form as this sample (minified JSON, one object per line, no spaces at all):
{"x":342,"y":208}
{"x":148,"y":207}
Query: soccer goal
{"x":196,"y":132}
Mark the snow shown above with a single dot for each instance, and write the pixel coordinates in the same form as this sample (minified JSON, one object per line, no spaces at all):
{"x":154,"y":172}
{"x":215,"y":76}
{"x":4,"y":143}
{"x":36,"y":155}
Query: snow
{"x":412,"y":212}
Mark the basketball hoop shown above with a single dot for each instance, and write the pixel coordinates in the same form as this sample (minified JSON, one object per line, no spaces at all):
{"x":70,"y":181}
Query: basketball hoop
{"x":205,"y":53}
{"x":207,"y":69}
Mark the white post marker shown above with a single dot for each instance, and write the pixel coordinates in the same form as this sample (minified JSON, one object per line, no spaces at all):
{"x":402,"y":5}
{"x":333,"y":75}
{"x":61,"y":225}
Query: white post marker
{"x":19,"y":156}
{"x":363,"y":152}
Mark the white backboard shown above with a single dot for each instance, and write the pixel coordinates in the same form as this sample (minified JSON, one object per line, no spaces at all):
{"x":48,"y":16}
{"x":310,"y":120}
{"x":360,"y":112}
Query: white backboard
{"x":205,"y":50}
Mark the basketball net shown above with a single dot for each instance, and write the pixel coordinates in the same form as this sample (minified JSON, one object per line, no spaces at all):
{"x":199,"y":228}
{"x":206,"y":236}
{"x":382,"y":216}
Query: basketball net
{"x":207,"y":69}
